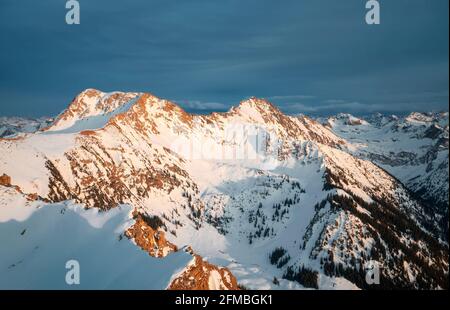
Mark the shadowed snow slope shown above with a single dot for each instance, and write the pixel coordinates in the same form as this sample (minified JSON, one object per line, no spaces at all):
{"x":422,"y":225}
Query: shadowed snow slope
{"x":36,"y":241}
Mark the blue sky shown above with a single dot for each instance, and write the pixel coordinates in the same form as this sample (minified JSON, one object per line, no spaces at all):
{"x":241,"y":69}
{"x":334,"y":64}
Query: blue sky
{"x":308,"y":56}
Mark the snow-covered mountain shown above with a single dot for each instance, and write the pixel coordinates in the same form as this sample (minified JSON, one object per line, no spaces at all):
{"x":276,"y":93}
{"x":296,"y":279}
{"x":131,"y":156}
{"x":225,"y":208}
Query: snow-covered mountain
{"x":413,"y":148}
{"x":280,"y":201}
{"x":13,"y":126}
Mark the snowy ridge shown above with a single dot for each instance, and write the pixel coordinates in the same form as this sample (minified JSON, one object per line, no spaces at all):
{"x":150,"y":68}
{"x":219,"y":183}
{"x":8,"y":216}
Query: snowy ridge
{"x":413,"y":148}
{"x":90,"y":108}
{"x":281,"y":201}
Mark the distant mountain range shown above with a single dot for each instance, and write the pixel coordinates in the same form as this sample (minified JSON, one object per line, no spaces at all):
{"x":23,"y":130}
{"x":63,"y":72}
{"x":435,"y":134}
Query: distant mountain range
{"x":414,"y":149}
{"x":11,"y":126}
{"x":250,"y":198}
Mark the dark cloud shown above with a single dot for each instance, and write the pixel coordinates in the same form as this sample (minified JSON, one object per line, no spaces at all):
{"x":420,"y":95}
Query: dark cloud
{"x":212,"y":54}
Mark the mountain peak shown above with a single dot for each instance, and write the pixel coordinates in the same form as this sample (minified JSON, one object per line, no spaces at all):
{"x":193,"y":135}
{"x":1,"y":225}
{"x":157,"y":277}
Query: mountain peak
{"x":91,"y":92}
{"x":255,"y":102}
{"x":90,"y":103}
{"x":348,"y":119}
{"x":422,"y":117}
{"x":256,"y":106}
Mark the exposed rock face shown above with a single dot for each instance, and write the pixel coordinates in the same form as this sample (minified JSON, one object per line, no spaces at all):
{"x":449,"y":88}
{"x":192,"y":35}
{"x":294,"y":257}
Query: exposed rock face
{"x":201,"y":275}
{"x":5,"y":180}
{"x":150,"y":239}
{"x":106,"y":172}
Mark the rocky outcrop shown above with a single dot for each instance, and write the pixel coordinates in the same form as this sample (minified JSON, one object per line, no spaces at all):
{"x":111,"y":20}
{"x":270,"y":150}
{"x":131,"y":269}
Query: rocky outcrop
{"x":5,"y":180}
{"x":149,"y":236}
{"x":201,"y":275}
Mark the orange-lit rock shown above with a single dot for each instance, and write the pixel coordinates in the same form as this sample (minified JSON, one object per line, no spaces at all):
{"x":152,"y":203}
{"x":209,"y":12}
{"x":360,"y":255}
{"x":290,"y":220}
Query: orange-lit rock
{"x":201,"y":275}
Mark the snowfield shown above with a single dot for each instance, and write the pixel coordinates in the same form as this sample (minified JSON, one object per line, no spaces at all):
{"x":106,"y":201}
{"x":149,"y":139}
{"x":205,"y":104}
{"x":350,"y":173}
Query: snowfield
{"x":37,"y":239}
